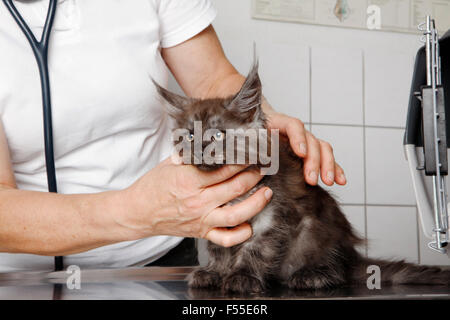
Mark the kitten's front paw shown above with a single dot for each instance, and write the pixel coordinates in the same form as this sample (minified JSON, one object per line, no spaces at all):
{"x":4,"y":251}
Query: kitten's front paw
{"x":203,"y":278}
{"x":243,"y":282}
{"x":312,"y":279}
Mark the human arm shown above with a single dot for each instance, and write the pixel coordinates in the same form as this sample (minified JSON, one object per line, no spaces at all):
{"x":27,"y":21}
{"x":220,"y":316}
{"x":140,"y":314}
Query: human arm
{"x":187,"y":204}
{"x":53,"y":224}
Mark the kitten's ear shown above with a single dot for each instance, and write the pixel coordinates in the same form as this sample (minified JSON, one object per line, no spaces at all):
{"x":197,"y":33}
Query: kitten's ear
{"x":177,"y":103}
{"x":248,"y":99}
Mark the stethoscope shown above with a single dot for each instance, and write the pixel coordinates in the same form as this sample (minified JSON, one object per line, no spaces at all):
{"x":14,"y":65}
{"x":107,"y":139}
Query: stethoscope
{"x":40,"y":50}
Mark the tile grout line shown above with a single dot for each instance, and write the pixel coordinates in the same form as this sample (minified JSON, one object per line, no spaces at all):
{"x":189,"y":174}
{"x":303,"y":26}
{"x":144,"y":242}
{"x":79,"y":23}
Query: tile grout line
{"x":357,"y":125}
{"x":378,"y":205}
{"x":310,"y":87}
{"x":363,"y":88}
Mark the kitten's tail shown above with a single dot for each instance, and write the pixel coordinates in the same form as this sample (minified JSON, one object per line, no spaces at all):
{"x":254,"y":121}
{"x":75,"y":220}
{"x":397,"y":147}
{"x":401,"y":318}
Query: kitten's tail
{"x":399,"y":272}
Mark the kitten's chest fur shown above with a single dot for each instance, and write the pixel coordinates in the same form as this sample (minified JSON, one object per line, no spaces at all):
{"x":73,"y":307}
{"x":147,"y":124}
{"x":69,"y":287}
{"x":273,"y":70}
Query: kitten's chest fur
{"x":262,"y":222}
{"x":281,"y":215}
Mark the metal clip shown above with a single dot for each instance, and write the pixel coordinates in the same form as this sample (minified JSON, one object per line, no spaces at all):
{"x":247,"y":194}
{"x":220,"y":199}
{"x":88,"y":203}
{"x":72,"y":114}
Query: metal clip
{"x":440,"y":231}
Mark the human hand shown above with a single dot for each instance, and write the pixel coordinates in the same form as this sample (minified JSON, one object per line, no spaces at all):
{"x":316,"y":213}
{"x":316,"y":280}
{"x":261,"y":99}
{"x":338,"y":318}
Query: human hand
{"x":318,"y":154}
{"x":180,"y":200}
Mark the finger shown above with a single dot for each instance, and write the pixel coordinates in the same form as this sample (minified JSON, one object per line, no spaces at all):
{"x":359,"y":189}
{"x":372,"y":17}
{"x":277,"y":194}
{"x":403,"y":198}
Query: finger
{"x":214,"y":177}
{"x":312,"y":161}
{"x":340,"y":175}
{"x":226,"y":191}
{"x":227,"y":237}
{"x":295,"y":130}
{"x":230,"y":216}
{"x":327,"y":163}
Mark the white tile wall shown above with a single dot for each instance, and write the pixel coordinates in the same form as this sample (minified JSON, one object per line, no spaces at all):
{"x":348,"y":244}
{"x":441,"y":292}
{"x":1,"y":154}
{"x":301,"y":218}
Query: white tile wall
{"x":359,"y":82}
{"x":387,"y":84}
{"x":348,"y":147}
{"x":238,"y":48}
{"x":356,"y":216}
{"x":290,"y":66}
{"x":336,"y":85}
{"x":388,"y":179}
{"x":392,"y":233}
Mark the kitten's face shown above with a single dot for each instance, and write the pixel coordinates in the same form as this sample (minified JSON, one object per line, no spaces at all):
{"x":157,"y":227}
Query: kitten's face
{"x":204,"y":123}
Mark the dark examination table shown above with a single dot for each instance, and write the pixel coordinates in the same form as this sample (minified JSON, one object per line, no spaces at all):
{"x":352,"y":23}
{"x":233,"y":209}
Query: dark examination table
{"x":168,"y":283}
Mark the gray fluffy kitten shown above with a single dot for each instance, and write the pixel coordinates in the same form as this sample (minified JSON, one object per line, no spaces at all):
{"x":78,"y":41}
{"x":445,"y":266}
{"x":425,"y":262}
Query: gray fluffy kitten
{"x":301,"y":239}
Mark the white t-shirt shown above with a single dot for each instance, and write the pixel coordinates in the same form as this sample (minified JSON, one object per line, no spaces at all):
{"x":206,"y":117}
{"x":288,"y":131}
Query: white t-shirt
{"x":108,"y":124}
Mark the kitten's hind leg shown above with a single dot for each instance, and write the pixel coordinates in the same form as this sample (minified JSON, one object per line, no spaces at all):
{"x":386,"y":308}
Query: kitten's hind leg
{"x":316,"y":277}
{"x":204,"y":277}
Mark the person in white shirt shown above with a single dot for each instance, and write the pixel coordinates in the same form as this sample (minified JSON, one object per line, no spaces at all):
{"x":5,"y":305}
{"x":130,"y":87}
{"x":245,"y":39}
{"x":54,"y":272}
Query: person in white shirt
{"x":121,"y":201}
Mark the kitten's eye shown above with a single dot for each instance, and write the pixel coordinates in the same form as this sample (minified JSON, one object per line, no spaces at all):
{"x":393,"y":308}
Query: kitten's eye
{"x":190,"y":137}
{"x":218,"y":136}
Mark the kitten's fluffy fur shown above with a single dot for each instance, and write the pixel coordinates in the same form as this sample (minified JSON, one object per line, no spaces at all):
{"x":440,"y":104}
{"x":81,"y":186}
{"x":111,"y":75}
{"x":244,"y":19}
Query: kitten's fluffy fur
{"x":302,"y":238}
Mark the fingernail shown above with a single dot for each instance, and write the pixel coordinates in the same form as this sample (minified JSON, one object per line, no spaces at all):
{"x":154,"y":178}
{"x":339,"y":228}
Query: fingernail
{"x":268,"y":194}
{"x":303,"y":149}
{"x":313,"y":176}
{"x":330,"y":176}
{"x":343,"y":177}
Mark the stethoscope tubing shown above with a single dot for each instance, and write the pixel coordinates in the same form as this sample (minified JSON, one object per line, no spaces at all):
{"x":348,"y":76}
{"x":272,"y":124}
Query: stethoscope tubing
{"x":40,"y":51}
